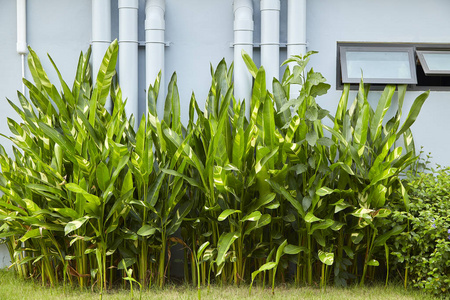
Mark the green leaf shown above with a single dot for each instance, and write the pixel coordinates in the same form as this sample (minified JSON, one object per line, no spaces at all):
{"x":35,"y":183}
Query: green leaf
{"x":413,"y":112}
{"x":254,"y":216}
{"x":31,"y":234}
{"x":357,"y":237}
{"x":126,"y":262}
{"x":249,"y":63}
{"x":281,"y":190}
{"x":326,"y":257}
{"x":146,"y":230}
{"x":324,"y":191}
{"x":264,"y":267}
{"x":322,"y":225}
{"x":310,"y":218}
{"x":102,"y":176}
{"x":227,"y":213}
{"x":75,"y":224}
{"x":383,"y":105}
{"x":262,"y":201}
{"x":324,"y":141}
{"x":201,"y":249}
{"x":381,"y":239}
{"x":348,"y":250}
{"x":373,"y":262}
{"x":311,"y":137}
{"x":104,"y":77}
{"x":293,"y":249}
{"x":340,"y":205}
{"x":225,"y":241}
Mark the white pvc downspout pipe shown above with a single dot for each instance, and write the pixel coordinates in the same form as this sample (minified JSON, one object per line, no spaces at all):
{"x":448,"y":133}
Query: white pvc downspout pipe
{"x":101,"y":36}
{"x":296,"y":30}
{"x":155,"y":26}
{"x":22,"y":34}
{"x":21,"y":46}
{"x":243,"y":40}
{"x":270,"y":39}
{"x":128,"y":55}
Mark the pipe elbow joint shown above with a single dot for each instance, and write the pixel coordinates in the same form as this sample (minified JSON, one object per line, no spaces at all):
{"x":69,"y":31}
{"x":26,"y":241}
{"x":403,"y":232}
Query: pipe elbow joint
{"x":237,"y":4}
{"x":154,"y":11}
{"x":270,"y":5}
{"x":128,"y":4}
{"x":243,"y":15}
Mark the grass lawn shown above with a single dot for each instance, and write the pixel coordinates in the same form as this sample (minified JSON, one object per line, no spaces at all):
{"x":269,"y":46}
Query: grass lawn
{"x":12,"y":288}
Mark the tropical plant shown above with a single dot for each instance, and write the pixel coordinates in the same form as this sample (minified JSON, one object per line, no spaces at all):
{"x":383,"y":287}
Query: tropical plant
{"x":90,"y":197}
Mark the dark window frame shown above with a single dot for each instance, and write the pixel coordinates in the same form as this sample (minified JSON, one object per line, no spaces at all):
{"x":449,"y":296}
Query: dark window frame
{"x":415,"y":46}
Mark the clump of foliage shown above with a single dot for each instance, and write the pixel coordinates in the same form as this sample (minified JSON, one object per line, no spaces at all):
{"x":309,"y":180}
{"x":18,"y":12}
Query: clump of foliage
{"x":88,"y":197}
{"x":424,"y":249}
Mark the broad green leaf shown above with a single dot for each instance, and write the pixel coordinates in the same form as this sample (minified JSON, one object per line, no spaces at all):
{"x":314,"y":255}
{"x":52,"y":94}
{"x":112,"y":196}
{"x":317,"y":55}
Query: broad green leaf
{"x":381,"y":239}
{"x":75,"y":224}
{"x":323,"y":191}
{"x":264,"y":267}
{"x":254,"y":216}
{"x":31,"y":234}
{"x":373,"y":262}
{"x":340,"y":205}
{"x":102,"y":176}
{"x":225,"y":241}
{"x":326,"y":257}
{"x":281,"y":190}
{"x":126,"y":262}
{"x":262,"y":201}
{"x":146,"y":230}
{"x":413,"y":112}
{"x":383,"y":105}
{"x":227,"y":213}
{"x":249,"y":63}
{"x":322,"y":225}
{"x":311,"y":138}
{"x":357,"y":237}
{"x":201,"y":249}
{"x":348,"y":250}
{"x":310,"y":218}
{"x":293,"y":249}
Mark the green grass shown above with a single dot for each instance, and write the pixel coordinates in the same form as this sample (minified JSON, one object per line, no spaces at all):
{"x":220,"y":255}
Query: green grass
{"x":12,"y":288}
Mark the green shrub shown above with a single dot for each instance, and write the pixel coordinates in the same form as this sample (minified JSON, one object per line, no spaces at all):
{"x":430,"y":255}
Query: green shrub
{"x":424,"y":249}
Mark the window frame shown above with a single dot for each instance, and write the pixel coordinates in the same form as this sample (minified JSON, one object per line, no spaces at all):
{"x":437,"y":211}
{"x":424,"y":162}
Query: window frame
{"x":424,"y":63}
{"x":343,"y":59}
{"x":415,"y":46}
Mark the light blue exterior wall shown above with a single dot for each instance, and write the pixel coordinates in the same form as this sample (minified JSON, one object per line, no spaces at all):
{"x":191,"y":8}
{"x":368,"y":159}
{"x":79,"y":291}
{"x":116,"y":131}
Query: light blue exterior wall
{"x":200,"y":32}
{"x":329,"y":21}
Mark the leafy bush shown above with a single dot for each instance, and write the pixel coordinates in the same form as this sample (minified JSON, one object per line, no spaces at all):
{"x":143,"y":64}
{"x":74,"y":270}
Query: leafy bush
{"x":424,"y":249}
{"x":89,"y":198}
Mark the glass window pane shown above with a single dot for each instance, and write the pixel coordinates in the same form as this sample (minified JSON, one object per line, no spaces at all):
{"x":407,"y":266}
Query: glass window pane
{"x":435,"y":62}
{"x":378,"y":64}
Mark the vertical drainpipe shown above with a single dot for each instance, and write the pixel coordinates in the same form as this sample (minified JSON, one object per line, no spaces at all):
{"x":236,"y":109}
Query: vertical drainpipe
{"x":128,"y":55}
{"x":296,"y":43}
{"x":21,"y":46}
{"x":155,"y":26}
{"x":101,"y":36}
{"x":270,"y":39}
{"x":22,"y":34}
{"x":243,"y":40}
